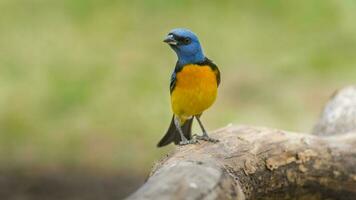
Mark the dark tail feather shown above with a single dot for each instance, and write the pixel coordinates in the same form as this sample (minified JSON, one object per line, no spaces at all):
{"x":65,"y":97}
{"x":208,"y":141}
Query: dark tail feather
{"x":172,"y":134}
{"x":187,"y":131}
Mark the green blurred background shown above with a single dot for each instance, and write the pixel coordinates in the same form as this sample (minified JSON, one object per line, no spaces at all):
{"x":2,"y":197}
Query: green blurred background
{"x":84,"y":84}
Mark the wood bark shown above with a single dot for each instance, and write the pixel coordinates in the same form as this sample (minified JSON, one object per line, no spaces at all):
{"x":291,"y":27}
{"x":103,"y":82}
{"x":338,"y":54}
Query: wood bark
{"x":339,"y":114}
{"x":260,"y":163}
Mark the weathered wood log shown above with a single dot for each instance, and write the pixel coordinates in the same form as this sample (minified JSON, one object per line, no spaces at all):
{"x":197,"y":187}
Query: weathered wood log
{"x":251,"y":162}
{"x":260,"y":163}
{"x":339,"y":114}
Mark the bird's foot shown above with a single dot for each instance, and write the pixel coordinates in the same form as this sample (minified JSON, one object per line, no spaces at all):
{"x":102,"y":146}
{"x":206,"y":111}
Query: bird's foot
{"x":185,"y":142}
{"x":206,"y":138}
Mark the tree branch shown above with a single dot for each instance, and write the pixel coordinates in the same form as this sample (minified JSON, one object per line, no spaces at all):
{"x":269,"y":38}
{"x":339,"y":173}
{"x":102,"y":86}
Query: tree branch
{"x":264,"y":163}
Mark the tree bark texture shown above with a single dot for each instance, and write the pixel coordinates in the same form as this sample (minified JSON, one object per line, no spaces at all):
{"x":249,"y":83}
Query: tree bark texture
{"x":262,"y":163}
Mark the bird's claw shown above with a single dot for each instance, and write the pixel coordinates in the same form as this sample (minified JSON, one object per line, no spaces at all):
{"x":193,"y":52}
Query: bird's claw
{"x":206,"y":138}
{"x":191,"y":141}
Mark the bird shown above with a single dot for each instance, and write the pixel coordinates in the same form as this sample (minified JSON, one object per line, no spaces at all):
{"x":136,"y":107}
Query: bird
{"x":193,"y":88}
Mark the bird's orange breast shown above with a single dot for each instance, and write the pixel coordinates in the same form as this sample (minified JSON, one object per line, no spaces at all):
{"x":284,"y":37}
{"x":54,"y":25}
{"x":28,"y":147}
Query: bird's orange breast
{"x":195,"y":90}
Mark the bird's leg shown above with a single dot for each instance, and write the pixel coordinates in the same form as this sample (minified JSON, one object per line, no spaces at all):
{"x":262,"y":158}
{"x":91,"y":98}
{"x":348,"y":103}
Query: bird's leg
{"x":184,"y":140}
{"x":205,"y":135}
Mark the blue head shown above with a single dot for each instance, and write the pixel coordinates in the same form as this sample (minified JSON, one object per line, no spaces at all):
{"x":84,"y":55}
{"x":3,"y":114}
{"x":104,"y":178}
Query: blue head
{"x":186,"y":45}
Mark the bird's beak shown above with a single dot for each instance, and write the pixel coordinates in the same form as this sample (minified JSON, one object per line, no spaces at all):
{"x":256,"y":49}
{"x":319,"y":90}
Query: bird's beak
{"x":170,"y":40}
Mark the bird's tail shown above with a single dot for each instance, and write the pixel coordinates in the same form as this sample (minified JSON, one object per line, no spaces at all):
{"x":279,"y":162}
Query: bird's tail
{"x":172,"y":135}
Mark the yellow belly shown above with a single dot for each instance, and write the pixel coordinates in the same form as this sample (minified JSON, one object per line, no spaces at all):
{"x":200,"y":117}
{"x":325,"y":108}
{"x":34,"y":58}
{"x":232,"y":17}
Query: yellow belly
{"x":195,"y":90}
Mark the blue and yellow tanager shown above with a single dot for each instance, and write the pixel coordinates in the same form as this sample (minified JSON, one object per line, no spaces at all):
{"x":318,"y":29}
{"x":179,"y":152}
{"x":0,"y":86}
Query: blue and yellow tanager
{"x":193,"y":87}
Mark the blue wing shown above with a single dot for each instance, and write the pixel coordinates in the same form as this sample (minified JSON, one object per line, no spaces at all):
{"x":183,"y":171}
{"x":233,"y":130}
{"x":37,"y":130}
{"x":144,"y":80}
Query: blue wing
{"x":173,"y":81}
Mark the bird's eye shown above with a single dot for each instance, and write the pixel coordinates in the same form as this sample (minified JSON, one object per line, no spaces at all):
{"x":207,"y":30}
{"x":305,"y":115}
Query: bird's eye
{"x":186,"y":40}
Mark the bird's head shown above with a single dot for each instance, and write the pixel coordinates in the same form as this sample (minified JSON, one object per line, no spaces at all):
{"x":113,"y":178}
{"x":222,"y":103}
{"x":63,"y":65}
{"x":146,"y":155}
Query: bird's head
{"x":186,"y":45}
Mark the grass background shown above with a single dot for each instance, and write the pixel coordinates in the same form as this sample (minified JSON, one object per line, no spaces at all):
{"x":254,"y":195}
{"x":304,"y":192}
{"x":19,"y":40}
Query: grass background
{"x":85,"y":83}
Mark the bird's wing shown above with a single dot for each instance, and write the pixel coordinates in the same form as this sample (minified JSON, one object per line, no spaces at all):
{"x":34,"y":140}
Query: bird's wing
{"x":174,"y":77}
{"x":173,"y":82}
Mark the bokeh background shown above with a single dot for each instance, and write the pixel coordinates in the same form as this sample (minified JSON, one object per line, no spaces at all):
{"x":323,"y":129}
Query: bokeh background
{"x":84,"y":84}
